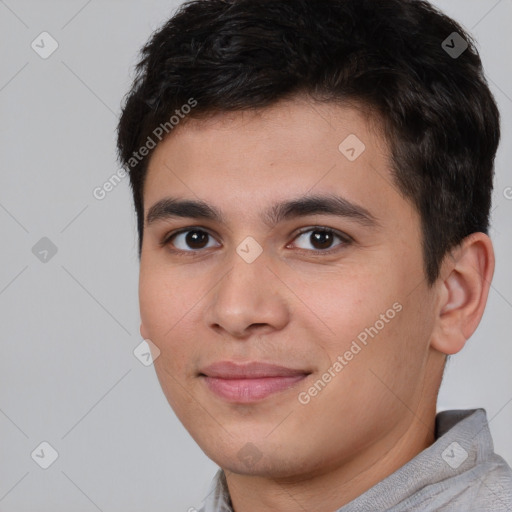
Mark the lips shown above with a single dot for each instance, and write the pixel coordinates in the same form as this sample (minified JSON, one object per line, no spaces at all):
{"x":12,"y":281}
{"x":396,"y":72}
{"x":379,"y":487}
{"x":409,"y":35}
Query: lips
{"x":249,"y":382}
{"x":252,"y":370}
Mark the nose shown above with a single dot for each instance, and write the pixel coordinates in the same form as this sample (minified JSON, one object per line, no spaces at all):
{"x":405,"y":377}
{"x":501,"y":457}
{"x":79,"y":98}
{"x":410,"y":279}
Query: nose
{"x":249,"y":298}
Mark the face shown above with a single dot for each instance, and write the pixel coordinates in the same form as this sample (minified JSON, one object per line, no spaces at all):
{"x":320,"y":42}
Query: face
{"x":290,"y":337}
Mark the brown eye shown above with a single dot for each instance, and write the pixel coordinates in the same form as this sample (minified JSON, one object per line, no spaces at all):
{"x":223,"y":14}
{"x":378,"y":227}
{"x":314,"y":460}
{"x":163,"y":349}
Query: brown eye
{"x":196,"y":239}
{"x":189,"y":240}
{"x":320,"y":239}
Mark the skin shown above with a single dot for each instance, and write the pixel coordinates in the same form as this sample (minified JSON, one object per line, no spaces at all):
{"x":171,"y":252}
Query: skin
{"x":301,"y":309}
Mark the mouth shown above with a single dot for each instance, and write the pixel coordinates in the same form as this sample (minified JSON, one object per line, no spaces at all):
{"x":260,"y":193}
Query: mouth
{"x":249,"y":382}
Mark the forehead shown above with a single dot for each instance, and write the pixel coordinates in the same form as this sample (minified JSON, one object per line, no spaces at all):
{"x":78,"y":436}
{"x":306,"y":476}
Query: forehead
{"x":244,"y":161}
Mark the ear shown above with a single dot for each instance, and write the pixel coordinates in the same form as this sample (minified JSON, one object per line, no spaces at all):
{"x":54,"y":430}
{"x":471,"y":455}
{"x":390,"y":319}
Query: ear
{"x":465,"y":279}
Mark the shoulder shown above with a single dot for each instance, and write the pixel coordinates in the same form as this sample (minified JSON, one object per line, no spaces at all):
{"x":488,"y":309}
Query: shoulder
{"x":494,"y":488}
{"x":487,"y":487}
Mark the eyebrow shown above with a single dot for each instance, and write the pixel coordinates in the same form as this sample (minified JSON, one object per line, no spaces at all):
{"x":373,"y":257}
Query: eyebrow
{"x":169,"y":208}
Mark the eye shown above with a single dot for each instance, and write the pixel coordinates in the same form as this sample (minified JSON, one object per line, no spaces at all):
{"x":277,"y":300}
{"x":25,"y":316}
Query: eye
{"x":321,"y":238}
{"x":188,"y":240}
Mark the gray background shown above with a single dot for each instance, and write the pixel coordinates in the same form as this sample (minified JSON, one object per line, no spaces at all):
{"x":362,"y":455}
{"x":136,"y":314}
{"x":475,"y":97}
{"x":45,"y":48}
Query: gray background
{"x":69,"y":325}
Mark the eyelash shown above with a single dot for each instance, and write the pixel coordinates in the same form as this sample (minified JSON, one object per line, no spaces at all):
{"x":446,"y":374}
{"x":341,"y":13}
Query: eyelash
{"x":346,"y":240}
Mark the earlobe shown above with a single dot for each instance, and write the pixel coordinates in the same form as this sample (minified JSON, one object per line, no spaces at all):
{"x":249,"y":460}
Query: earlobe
{"x":466,"y":278}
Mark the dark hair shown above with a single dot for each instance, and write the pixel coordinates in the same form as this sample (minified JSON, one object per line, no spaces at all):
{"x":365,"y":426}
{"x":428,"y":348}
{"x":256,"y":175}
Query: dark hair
{"x":394,"y":57}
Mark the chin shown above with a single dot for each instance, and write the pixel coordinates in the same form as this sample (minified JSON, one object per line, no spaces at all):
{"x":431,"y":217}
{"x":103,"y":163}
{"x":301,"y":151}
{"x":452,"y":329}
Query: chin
{"x":260,"y":457}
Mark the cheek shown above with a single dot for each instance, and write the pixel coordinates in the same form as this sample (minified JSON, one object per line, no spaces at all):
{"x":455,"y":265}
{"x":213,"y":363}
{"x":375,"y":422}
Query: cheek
{"x":170,"y":311}
{"x":372,"y":318}
{"x":165,"y":300}
{"x":349,"y":303}
{"x":156,"y":303}
{"x":162,"y":311}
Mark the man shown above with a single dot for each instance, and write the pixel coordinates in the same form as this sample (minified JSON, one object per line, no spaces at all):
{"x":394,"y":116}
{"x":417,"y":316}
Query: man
{"x":312,"y":182}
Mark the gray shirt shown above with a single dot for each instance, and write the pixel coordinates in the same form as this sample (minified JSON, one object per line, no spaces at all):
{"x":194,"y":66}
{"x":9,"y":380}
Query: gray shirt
{"x":459,"y":472}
